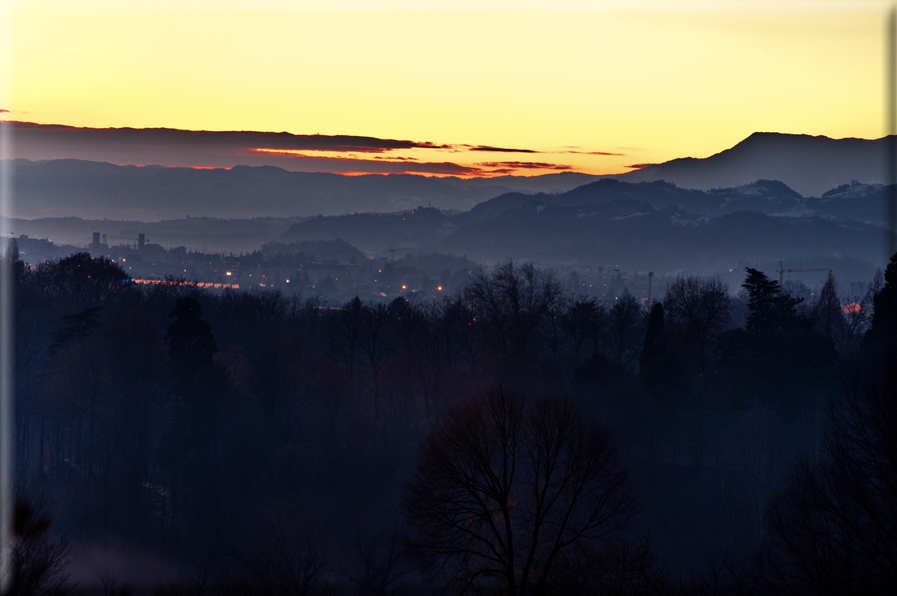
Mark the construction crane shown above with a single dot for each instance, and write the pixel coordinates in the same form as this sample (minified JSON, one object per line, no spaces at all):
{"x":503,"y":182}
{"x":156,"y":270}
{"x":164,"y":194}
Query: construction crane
{"x":782,"y":271}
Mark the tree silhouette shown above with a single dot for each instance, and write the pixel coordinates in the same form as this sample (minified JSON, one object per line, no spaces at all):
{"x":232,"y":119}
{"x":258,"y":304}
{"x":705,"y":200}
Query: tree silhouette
{"x":347,"y":326}
{"x":514,"y":300}
{"x":376,"y":345}
{"x":701,"y":308}
{"x":191,"y":345}
{"x":661,"y":366}
{"x":769,"y":306}
{"x":833,"y":530}
{"x":624,"y":331}
{"x":504,"y":492}
{"x":828,"y":313}
{"x":880,"y":342}
{"x":858,"y":315}
{"x":654,"y":335}
{"x":582,"y":319}
{"x":77,"y":326}
{"x":381,"y":564}
{"x":192,"y":457}
{"x":13,"y":260}
{"x":81,"y":278}
{"x":38,"y":565}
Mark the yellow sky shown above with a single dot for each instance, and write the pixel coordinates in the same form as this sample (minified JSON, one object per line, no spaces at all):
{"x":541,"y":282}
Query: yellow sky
{"x":651,"y":80}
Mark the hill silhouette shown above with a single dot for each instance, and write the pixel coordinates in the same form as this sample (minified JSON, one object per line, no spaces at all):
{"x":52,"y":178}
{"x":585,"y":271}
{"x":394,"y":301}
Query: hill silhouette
{"x":811,"y":165}
{"x":808,"y":166}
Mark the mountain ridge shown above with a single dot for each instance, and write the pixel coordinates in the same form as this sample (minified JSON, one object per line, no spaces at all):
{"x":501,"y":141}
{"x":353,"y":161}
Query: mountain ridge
{"x":808,"y":164}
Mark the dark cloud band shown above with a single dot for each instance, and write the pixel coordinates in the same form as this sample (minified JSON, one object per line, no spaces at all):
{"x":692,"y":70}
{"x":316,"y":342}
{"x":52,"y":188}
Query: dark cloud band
{"x":218,"y":139}
{"x":500,"y":149}
{"x":594,"y":153}
{"x":309,"y":153}
{"x":528,"y":165}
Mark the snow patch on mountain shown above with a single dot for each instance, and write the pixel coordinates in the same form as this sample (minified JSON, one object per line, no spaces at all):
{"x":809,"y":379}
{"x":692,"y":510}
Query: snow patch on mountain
{"x":854,"y":190}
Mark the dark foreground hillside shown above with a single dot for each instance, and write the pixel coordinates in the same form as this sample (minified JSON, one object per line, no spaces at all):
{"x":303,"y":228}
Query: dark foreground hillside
{"x":507,"y":439}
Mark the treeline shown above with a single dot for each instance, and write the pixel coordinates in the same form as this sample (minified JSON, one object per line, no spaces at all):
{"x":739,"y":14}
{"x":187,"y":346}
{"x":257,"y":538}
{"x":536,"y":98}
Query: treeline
{"x":271,"y":444}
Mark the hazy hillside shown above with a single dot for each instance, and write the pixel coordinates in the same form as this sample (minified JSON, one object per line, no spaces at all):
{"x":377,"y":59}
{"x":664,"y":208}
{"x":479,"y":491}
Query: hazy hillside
{"x":378,"y":232}
{"x":858,"y":202}
{"x":652,"y":225}
{"x":87,"y":189}
{"x":637,"y":236}
{"x":645,"y":225}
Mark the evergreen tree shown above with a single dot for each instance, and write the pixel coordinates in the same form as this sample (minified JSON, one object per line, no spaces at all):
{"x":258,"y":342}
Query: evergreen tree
{"x":760,"y":364}
{"x":881,"y":340}
{"x":664,"y":365}
{"x":769,"y":306}
{"x":77,"y":326}
{"x":581,"y":320}
{"x":828,"y":313}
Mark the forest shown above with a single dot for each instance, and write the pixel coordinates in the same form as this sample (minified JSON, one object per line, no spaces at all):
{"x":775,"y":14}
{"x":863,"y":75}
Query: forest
{"x":510,"y":438}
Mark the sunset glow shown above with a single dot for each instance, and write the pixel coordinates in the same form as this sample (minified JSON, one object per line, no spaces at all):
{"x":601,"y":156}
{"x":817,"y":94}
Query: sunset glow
{"x":593,"y":87}
{"x":469,"y":162}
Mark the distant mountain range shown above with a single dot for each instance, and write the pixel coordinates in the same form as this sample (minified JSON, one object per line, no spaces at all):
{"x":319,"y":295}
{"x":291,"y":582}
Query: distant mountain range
{"x":860,"y":202}
{"x":652,"y":224}
{"x":611,"y":223}
{"x":809,"y":165}
{"x":772,"y":197}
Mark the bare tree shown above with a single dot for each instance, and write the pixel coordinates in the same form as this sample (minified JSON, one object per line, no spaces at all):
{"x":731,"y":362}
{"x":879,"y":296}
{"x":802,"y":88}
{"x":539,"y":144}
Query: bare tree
{"x":382,"y":564}
{"x":834,"y":528}
{"x":626,"y":567}
{"x":702,"y":309}
{"x":624,"y":330}
{"x":376,"y":345}
{"x":38,"y":565}
{"x":504,"y":491}
{"x":294,"y":559}
{"x":515,"y":299}
{"x":346,"y":328}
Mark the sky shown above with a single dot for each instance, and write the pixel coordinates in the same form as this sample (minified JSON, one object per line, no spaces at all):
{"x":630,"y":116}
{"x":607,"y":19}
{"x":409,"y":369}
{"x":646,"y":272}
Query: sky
{"x":452,"y":88}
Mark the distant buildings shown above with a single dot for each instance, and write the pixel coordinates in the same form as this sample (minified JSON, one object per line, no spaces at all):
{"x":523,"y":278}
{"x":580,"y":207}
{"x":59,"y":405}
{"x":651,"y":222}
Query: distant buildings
{"x":96,"y":245}
{"x":33,"y":250}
